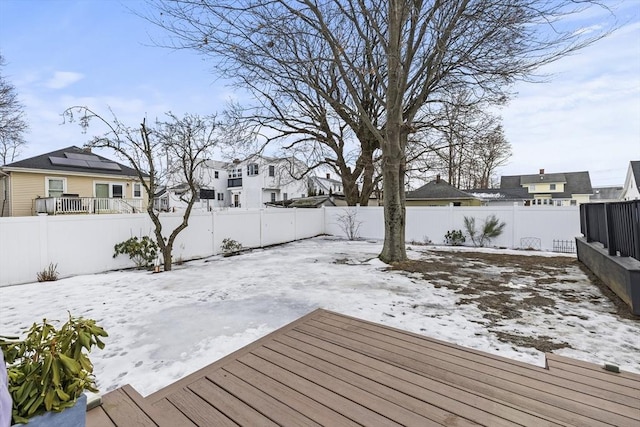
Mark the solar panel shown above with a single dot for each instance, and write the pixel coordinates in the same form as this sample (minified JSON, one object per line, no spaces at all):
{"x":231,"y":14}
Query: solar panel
{"x":104,"y":165}
{"x":88,"y":164}
{"x":61,"y":161}
{"x":80,"y":156}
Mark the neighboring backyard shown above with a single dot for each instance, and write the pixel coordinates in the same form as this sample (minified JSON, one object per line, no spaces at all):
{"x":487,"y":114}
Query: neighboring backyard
{"x":163,"y":326}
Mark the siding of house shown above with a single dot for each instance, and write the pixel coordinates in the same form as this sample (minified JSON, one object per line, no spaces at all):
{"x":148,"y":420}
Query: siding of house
{"x":5,"y":196}
{"x":27,"y":186}
{"x":24,"y":188}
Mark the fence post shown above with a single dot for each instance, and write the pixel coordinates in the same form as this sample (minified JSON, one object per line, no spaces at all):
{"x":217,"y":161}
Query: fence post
{"x":44,"y":241}
{"x":609,"y":229}
{"x":635,"y":228}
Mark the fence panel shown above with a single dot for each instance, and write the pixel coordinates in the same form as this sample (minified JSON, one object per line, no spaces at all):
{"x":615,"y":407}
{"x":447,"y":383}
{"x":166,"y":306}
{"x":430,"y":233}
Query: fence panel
{"x":82,"y":244}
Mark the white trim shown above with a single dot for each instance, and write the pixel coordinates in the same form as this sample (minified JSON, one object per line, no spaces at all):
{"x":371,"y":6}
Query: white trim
{"x":111,"y":184}
{"x":59,"y":178}
{"x":133,"y":190}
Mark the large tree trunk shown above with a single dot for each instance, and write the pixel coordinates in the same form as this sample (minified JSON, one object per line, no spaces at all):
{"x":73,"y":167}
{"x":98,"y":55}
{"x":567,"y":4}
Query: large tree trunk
{"x":393,"y":148}
{"x":394,"y":211}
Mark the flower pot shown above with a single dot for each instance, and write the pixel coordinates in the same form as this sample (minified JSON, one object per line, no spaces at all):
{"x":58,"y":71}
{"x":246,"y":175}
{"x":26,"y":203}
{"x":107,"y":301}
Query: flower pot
{"x":70,"y":417}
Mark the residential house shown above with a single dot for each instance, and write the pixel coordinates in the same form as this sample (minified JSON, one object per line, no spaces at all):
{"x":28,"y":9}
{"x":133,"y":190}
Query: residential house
{"x":606,"y":194}
{"x":259,"y":180}
{"x":250,"y":183}
{"x":440,"y":193}
{"x":211,"y":180}
{"x":69,"y":180}
{"x":319,"y":186}
{"x":552,"y":189}
{"x":631,"y":189}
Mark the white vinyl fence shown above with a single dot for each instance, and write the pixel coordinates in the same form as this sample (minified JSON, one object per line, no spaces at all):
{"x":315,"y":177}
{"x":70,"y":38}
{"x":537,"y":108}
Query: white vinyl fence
{"x":525,"y":225}
{"x":84,"y":244}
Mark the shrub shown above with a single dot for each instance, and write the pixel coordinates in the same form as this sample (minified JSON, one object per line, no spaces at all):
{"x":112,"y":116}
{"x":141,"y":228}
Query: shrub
{"x":454,"y":238}
{"x":230,"y":247}
{"x":48,"y":370}
{"x":49,"y":274}
{"x":491,"y":228}
{"x":142,"y":252}
{"x":349,"y":224}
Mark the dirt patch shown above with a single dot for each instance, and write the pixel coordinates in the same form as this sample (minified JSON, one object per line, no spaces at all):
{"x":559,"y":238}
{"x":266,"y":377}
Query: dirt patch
{"x":542,"y":343}
{"x":506,"y":287}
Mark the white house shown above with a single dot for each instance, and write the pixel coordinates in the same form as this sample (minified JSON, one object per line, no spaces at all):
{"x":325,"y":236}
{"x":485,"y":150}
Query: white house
{"x":631,"y":189}
{"x":325,"y":185}
{"x":249,"y":183}
{"x":259,"y":180}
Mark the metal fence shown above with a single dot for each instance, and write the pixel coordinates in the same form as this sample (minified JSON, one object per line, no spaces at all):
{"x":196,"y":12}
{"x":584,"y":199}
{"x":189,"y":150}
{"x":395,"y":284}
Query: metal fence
{"x":615,"y":225}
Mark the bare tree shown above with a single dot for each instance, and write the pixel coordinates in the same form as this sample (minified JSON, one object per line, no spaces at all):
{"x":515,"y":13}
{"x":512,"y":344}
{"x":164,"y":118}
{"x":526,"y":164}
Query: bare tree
{"x":401,"y":55}
{"x":466,"y":143}
{"x":13,"y":121}
{"x":176,"y":147}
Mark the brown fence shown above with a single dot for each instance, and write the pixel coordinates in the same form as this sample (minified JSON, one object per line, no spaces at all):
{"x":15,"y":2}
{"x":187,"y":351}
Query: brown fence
{"x":615,"y":225}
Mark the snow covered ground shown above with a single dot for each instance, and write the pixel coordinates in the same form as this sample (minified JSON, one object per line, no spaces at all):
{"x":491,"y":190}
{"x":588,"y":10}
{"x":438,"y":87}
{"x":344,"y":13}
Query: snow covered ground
{"x":165,"y":326}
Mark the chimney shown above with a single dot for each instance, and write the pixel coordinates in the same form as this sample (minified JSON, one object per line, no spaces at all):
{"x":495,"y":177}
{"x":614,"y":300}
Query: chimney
{"x":541,"y":171}
{"x":438,"y":179}
{"x":328,"y":176}
{"x":86,"y":149}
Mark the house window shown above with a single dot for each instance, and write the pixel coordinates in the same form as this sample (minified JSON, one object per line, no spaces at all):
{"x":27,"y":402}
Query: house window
{"x":55,"y":187}
{"x":215,"y":174}
{"x":236,"y":173}
{"x":252,"y":169}
{"x":272,"y":170}
{"x":552,"y":187}
{"x":285,"y":196}
{"x":573,"y":203}
{"x":108,"y":190}
{"x":137,"y":190}
{"x":220,"y":196}
{"x":273,"y":197}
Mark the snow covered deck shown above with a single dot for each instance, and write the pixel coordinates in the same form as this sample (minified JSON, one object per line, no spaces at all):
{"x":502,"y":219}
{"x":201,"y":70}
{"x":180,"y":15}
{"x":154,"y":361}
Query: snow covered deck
{"x":329,"y":369}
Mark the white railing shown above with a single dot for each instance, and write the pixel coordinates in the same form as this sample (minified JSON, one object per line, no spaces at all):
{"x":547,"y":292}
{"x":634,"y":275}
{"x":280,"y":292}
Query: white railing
{"x":86,"y":205}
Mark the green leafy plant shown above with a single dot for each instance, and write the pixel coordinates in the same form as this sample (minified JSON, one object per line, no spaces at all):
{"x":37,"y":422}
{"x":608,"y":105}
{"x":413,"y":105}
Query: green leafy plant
{"x":491,"y":228}
{"x":142,"y":252}
{"x":230,"y":247}
{"x":49,"y":369}
{"x":454,"y":238}
{"x":49,"y":274}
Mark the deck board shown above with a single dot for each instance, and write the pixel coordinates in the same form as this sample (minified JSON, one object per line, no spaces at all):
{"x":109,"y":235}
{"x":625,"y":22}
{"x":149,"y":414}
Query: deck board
{"x":569,"y":405}
{"x":331,"y":369}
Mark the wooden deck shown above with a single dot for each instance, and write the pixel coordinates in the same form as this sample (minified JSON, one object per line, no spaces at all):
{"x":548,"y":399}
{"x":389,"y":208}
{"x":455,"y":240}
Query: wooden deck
{"x":333,"y":370}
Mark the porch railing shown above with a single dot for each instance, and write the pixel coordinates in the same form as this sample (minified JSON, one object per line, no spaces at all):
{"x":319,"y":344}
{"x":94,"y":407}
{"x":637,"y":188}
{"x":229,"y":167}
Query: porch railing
{"x":86,"y":205}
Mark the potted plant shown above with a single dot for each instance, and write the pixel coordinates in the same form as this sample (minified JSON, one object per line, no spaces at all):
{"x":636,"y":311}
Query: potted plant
{"x":49,"y":370}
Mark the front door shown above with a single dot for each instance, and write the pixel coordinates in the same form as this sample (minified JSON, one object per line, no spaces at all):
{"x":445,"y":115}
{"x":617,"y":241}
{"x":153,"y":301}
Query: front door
{"x":236,"y":200}
{"x":102,"y":191}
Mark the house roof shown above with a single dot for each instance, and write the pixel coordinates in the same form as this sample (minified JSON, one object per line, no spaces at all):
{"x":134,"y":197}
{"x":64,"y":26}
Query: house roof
{"x":635,"y":168}
{"x":438,"y":190}
{"x":312,"y":202}
{"x":574,"y":182}
{"x":607,"y":193}
{"x":499,"y":193}
{"x":73,"y":159}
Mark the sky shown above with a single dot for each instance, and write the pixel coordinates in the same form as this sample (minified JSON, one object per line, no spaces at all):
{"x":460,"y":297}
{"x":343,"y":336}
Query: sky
{"x":100,"y":54}
{"x":164,"y":326}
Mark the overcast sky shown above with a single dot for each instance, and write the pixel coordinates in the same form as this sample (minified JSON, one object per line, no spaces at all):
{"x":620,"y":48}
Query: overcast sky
{"x":61,"y":53}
